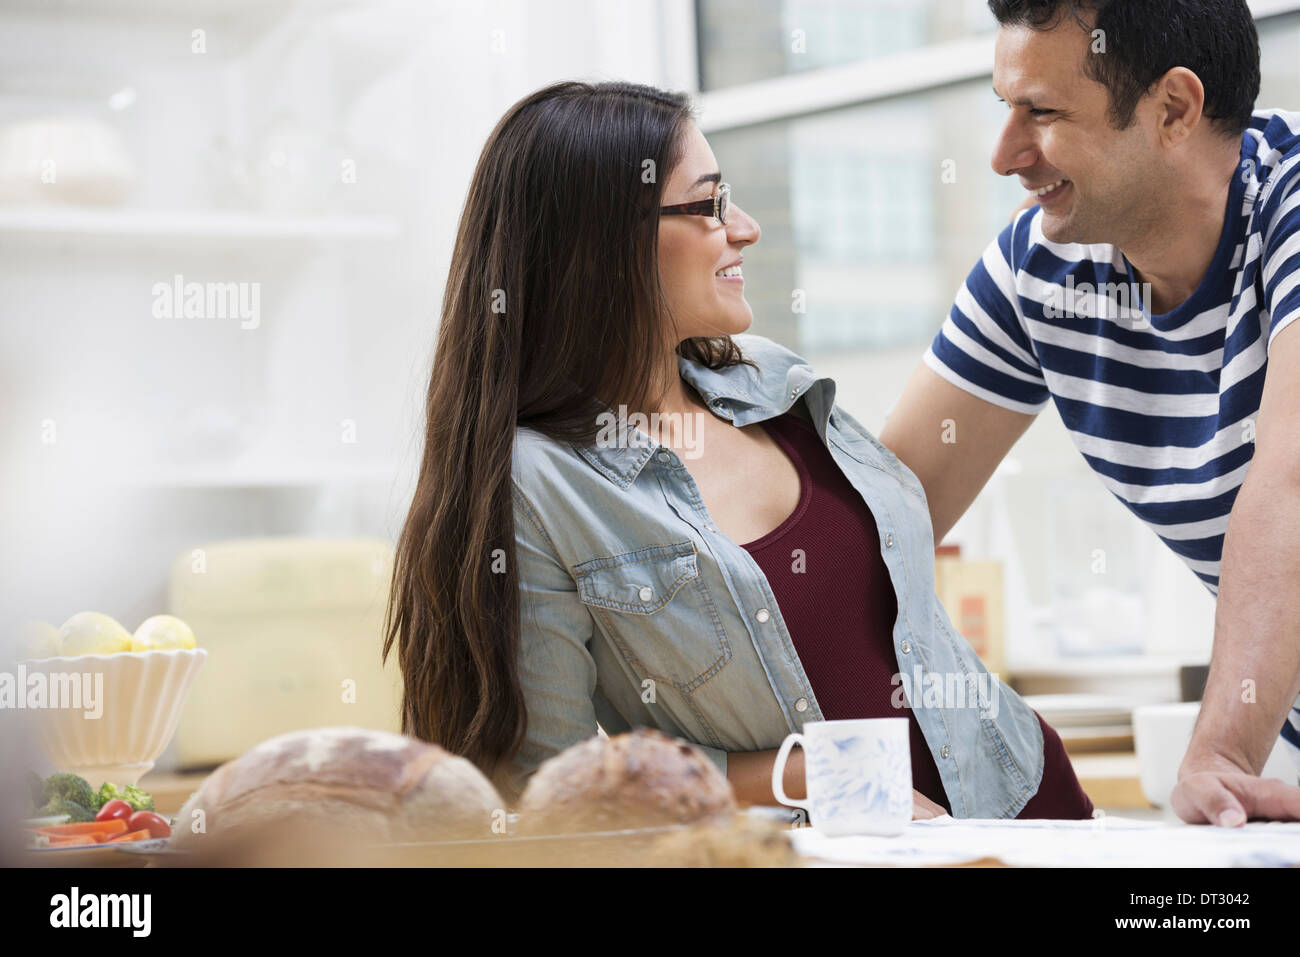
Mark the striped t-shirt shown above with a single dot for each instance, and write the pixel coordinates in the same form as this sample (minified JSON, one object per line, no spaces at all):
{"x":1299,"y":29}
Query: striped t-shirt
{"x":1162,"y":407}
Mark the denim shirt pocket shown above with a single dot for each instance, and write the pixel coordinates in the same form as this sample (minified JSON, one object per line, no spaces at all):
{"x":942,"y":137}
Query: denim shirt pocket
{"x":657,"y":612}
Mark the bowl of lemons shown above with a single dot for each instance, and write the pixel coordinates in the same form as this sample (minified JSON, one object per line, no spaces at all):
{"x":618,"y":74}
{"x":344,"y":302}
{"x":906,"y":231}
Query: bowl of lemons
{"x":105,"y":701}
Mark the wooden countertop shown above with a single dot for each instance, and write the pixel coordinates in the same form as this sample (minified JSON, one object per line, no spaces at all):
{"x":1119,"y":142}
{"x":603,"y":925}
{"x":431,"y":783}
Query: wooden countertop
{"x":1111,"y":780}
{"x":171,"y":789}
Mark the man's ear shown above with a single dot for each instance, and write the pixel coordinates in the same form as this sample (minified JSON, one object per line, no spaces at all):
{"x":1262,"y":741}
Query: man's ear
{"x":1179,"y":100}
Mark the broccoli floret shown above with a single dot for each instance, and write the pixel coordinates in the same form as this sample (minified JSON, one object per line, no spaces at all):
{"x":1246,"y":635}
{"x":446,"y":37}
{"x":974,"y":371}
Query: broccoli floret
{"x":132,"y":795}
{"x":76,"y":811}
{"x":36,"y":791}
{"x":138,"y":799}
{"x":69,"y":787}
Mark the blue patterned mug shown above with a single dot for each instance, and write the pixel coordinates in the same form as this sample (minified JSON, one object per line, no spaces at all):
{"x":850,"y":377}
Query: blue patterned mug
{"x":858,"y":775}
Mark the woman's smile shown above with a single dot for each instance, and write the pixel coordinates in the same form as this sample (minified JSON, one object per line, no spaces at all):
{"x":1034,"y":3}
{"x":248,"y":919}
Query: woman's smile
{"x":731,"y":274}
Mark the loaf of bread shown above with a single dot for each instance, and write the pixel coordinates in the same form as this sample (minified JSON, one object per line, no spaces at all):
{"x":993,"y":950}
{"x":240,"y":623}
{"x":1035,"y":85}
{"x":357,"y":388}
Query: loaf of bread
{"x":740,"y":842}
{"x":337,"y":788}
{"x":640,"y":779}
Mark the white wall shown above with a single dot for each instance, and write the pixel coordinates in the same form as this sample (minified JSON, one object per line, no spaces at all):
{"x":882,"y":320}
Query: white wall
{"x":171,"y":432}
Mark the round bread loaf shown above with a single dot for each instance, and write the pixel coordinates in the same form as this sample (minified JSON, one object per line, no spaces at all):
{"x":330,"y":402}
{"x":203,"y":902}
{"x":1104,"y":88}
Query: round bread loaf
{"x":343,"y":786}
{"x":740,"y":842}
{"x":640,"y":779}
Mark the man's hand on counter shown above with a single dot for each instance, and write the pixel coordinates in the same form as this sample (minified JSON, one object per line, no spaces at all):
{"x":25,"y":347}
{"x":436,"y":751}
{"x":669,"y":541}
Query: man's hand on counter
{"x":1228,"y":796}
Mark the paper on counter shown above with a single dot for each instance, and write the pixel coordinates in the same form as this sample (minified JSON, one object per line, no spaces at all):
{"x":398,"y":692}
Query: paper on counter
{"x":1101,"y":842}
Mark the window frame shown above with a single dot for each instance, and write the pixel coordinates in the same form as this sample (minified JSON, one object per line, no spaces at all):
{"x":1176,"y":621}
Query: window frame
{"x":796,"y":95}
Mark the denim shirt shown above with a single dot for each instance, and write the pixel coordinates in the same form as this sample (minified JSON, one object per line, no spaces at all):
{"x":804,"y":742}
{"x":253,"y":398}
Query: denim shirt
{"x":635,"y":610}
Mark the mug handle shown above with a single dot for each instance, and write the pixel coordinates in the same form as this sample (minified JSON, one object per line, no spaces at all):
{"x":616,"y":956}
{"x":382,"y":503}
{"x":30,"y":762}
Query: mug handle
{"x":778,"y":769}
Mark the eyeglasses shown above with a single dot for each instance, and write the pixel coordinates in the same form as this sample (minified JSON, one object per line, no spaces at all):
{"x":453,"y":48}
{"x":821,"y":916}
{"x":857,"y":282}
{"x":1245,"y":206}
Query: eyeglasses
{"x":715,"y":206}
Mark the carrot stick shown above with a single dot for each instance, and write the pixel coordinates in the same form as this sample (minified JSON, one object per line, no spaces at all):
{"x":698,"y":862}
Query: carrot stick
{"x":73,"y":841}
{"x":117,"y":826}
{"x":126,"y":838}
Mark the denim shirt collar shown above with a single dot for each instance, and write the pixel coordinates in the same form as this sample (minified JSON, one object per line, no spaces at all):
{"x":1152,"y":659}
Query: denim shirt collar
{"x":741,"y":394}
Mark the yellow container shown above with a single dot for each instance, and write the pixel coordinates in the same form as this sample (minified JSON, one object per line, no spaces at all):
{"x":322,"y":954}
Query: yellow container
{"x":294,"y":632}
{"x":972,"y":594}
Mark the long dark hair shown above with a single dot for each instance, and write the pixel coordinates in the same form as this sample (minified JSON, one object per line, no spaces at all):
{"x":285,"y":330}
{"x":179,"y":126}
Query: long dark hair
{"x":552,"y":312}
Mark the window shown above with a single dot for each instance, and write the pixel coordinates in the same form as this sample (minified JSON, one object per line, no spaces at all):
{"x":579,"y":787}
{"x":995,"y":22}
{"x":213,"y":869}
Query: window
{"x":746,"y":40}
{"x":861,"y":145}
{"x":872,"y":215}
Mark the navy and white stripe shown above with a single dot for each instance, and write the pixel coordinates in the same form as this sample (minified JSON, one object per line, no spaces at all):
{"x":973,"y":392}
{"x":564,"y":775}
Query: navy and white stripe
{"x":1162,"y":407}
{"x":1291,"y":734}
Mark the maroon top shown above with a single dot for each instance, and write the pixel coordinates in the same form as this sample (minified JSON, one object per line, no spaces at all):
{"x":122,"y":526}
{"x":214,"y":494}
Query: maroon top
{"x":840,"y":611}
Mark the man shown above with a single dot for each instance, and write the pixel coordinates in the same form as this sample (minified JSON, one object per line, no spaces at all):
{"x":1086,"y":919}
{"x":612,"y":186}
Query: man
{"x":1150,"y":294}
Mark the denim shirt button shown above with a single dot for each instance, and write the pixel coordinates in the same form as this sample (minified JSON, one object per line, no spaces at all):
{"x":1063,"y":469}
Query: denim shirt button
{"x":646,"y":593}
{"x":905,"y":647}
{"x":801,"y":704}
{"x":665,"y":457}
{"x":762,"y":614}
{"x":889,"y":539}
{"x":945,"y":751}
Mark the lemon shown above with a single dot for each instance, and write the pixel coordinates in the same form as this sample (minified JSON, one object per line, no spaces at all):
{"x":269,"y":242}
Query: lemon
{"x":90,"y":633}
{"x":162,"y":632}
{"x":38,"y":639}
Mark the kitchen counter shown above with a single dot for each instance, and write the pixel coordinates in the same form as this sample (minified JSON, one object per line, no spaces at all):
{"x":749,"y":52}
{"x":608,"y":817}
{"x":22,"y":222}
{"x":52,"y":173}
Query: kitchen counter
{"x":1131,"y":834}
{"x":1103,"y":842}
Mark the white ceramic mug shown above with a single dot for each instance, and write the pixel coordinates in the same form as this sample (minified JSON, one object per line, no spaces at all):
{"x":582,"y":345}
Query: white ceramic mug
{"x":1161,"y":734}
{"x":858,"y":775}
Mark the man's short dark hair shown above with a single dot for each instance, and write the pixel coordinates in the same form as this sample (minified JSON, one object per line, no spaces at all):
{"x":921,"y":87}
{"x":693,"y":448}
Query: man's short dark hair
{"x":1144,"y":39}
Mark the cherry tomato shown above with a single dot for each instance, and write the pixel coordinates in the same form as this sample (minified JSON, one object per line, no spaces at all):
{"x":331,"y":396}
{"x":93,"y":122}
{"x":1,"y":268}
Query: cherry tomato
{"x":151,"y":822}
{"x":114,"y":810}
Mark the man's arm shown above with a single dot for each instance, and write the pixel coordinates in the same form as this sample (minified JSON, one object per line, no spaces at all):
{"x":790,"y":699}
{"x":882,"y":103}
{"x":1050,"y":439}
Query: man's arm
{"x":977,"y":389}
{"x":1255,"y":671}
{"x":952,"y":440}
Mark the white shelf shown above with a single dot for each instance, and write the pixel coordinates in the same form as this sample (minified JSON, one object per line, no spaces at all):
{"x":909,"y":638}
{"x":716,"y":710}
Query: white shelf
{"x":254,"y":473}
{"x":174,"y":9}
{"x":1118,"y":665}
{"x":295,"y":477}
{"x":78,"y":222}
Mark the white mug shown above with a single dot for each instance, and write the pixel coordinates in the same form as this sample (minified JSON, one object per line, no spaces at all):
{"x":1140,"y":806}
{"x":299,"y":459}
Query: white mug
{"x":858,"y":775}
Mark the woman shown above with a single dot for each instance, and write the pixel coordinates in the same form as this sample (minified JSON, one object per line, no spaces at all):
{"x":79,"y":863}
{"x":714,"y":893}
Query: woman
{"x":630,"y":513}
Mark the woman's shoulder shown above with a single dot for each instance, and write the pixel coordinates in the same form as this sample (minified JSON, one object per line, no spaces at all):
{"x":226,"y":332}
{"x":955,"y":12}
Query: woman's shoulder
{"x":541,"y":473}
{"x":536,"y":452}
{"x":546,"y":470}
